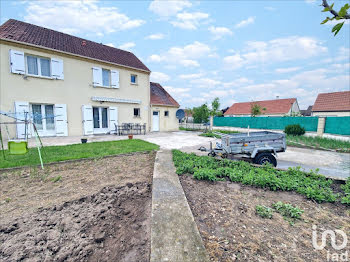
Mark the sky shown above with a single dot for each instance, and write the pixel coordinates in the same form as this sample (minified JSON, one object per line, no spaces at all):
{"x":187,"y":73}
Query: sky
{"x":238,"y":51}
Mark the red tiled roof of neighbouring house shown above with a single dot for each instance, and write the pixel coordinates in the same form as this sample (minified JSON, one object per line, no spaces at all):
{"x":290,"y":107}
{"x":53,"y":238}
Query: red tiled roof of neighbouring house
{"x":18,"y":31}
{"x":161,"y":97}
{"x":276,"y":106}
{"x":332,"y":102}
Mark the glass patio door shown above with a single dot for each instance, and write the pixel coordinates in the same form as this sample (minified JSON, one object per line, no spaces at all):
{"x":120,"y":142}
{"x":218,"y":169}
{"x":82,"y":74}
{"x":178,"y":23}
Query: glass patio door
{"x":44,"y":119}
{"x":100,"y":116}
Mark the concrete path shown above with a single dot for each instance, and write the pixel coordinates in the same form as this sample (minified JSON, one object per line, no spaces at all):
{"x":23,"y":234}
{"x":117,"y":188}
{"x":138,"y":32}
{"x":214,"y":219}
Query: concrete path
{"x":174,"y":233}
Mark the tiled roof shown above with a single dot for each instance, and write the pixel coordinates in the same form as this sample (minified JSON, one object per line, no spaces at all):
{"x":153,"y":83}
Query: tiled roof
{"x":161,"y":97}
{"x":277,"y":106}
{"x":330,"y":102}
{"x":14,"y":30}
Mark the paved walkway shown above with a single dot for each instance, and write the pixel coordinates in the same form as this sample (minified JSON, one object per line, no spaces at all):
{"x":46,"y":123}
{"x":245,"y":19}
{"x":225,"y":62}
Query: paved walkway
{"x":174,"y":233}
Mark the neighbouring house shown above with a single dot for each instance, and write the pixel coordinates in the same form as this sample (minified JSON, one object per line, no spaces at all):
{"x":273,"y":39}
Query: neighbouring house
{"x":332,"y":104}
{"x":71,"y":85}
{"x":306,"y":112}
{"x":164,"y":109}
{"x":188,"y":117}
{"x":276,"y":107}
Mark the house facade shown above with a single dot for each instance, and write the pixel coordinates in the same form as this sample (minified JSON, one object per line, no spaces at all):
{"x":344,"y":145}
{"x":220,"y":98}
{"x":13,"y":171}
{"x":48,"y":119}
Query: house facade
{"x":69,"y":85}
{"x":332,"y":104}
{"x":276,"y":107}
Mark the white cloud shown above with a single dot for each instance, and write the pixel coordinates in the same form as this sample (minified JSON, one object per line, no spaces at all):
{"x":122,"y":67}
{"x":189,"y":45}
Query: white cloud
{"x":287,"y":69}
{"x":205,"y":82}
{"x":310,"y":1}
{"x":111,"y":44}
{"x":178,"y":93}
{"x":168,"y":8}
{"x":127,"y":46}
{"x":270,"y":8}
{"x":248,"y":21}
{"x":276,"y":50}
{"x":159,"y":77}
{"x":155,"y":36}
{"x":304,"y":86}
{"x":186,"y":56}
{"x":190,"y":76}
{"x":219,"y":32}
{"x":78,"y":17}
{"x":189,"y":21}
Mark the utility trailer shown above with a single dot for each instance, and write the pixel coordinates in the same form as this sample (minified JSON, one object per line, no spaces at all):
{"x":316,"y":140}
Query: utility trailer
{"x":261,"y":147}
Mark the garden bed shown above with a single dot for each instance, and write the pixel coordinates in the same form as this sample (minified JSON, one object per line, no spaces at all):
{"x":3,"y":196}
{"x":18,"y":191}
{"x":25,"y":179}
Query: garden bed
{"x":91,"y":210}
{"x":232,"y":231}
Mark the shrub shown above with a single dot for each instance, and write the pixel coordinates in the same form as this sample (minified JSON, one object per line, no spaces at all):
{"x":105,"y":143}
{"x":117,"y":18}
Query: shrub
{"x":294,"y":130}
{"x":263,"y":211}
{"x":346,"y":198}
{"x":288,"y":211}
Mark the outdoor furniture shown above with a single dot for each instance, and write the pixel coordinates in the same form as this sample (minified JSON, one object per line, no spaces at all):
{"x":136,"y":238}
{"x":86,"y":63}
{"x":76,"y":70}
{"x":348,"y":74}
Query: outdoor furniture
{"x":130,"y":129}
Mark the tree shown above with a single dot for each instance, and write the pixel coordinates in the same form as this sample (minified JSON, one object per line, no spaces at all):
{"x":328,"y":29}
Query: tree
{"x":342,"y":14}
{"x":215,"y":107}
{"x":201,"y":114}
{"x":255,"y":110}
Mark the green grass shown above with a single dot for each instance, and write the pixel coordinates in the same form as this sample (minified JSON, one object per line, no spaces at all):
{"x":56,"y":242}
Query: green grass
{"x":319,"y":142}
{"x":309,"y":184}
{"x":77,"y":151}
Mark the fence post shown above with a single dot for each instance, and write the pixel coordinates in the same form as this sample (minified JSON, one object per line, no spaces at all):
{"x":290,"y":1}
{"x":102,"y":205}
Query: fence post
{"x":320,"y":126}
{"x":211,"y":123}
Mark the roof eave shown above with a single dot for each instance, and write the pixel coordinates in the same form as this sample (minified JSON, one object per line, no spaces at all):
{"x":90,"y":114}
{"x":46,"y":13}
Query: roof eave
{"x":72,"y":54}
{"x":165,"y":105}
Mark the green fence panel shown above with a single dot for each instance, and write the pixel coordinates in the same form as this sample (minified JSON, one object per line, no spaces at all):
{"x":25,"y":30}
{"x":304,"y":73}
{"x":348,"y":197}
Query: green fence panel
{"x":337,"y":125}
{"x":309,"y":123}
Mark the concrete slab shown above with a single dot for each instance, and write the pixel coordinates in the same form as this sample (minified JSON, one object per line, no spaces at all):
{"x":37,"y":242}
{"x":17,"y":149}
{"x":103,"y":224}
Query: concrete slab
{"x":174,"y":233}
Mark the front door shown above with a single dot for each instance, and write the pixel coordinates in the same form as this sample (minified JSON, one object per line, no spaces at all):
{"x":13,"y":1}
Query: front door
{"x":44,"y":119}
{"x":155,"y":122}
{"x":100,"y":116}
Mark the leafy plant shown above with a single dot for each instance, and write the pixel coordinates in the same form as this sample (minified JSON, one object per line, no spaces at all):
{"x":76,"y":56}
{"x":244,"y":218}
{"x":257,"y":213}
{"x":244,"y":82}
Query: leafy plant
{"x":255,"y":110}
{"x":56,"y":179}
{"x":310,"y":184}
{"x":288,"y":211}
{"x":294,"y":130}
{"x":342,"y":14}
{"x":346,"y":198}
{"x":263,"y":211}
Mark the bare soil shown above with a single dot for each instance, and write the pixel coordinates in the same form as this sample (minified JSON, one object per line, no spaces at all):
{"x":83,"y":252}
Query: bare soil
{"x":232,"y":231}
{"x":98,"y":210}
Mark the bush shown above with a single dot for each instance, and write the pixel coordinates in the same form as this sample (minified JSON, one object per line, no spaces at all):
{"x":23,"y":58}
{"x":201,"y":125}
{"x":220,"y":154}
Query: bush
{"x":294,"y":130}
{"x":263,"y":211}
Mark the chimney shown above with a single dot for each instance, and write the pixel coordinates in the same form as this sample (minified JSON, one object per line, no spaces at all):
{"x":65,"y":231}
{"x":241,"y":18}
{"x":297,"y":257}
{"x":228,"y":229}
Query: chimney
{"x":277,"y":97}
{"x":83,"y":43}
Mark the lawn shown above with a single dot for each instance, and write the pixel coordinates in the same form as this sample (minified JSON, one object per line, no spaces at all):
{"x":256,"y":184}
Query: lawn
{"x":77,"y":151}
{"x":319,"y":142}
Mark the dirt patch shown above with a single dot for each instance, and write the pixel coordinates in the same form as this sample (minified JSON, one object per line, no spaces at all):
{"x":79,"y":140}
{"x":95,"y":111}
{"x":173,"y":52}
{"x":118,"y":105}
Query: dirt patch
{"x":25,"y":190}
{"x":98,"y":210}
{"x":112,"y":225}
{"x":225,"y":215}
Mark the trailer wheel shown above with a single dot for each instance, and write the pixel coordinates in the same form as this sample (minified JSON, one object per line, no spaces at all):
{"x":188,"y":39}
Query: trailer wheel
{"x":263,"y":158}
{"x":212,"y":153}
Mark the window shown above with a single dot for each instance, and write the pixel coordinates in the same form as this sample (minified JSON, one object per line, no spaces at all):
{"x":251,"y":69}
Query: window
{"x":137,"y":112}
{"x":133,"y":79}
{"x":44,"y":118}
{"x":166,"y":113}
{"x":106,"y":77}
{"x":38,"y":66}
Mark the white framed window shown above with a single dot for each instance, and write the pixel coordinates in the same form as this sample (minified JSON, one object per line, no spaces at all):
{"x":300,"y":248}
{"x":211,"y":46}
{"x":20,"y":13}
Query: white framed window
{"x":100,"y":119}
{"x":106,"y":77}
{"x":137,"y":112}
{"x":133,"y":79}
{"x":38,"y":66}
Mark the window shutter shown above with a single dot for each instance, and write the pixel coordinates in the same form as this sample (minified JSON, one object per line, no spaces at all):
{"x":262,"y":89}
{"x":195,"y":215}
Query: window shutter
{"x":17,"y":65}
{"x":114,"y":79}
{"x":97,"y":76}
{"x":21,"y":108}
{"x":88,"y":123}
{"x":113,"y":118}
{"x":57,"y":68}
{"x":61,"y":122}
